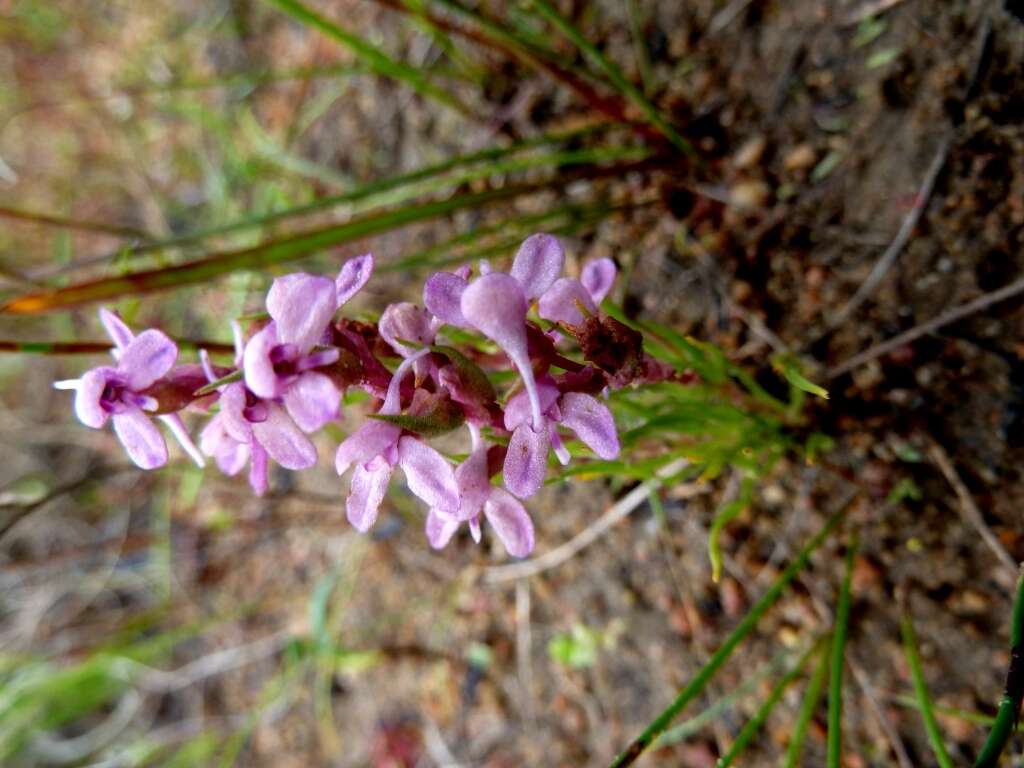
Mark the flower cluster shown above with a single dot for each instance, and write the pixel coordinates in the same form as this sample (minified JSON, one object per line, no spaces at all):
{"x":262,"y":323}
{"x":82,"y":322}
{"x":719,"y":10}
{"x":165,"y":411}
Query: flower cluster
{"x":289,"y":377}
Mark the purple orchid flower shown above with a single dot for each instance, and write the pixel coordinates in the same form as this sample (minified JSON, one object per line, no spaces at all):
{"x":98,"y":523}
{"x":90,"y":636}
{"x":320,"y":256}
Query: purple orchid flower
{"x":248,"y":429}
{"x":496,"y":303}
{"x":119,"y":393}
{"x":280,"y":360}
{"x":527,"y":458}
{"x":480,"y":499}
{"x":378,"y":447}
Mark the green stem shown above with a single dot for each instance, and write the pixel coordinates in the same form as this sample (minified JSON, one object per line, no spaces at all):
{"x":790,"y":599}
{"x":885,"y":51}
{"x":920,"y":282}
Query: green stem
{"x":745,"y":627}
{"x":754,"y":725}
{"x":921,"y":691}
{"x":1009,"y":705}
{"x":613,"y":73}
{"x":835,"y":679}
{"x":809,"y":705}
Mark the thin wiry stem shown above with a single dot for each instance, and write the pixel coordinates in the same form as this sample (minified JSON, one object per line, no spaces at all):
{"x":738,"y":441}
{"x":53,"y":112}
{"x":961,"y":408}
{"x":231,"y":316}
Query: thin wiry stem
{"x":836,"y":664}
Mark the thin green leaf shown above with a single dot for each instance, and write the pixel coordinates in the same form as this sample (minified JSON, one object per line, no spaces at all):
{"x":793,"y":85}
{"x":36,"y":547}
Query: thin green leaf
{"x":836,"y":664}
{"x":213,"y":386}
{"x":808,"y":706}
{"x":723,"y":517}
{"x":790,"y":368}
{"x":754,"y":725}
{"x":373,"y":57}
{"x":921,"y":691}
{"x":744,"y":628}
{"x":274,"y":252}
{"x":1009,"y":705}
{"x":612,"y":72}
{"x":95,"y":347}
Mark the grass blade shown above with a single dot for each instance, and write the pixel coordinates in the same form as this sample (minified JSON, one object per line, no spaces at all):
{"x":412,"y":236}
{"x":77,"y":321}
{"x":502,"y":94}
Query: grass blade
{"x":921,"y":692}
{"x":491,"y":160}
{"x":754,"y":725}
{"x":274,"y":252}
{"x":809,"y":705}
{"x":372,"y":56}
{"x":744,"y":628}
{"x":836,"y":663}
{"x":504,"y":37}
{"x":65,"y":222}
{"x":1009,"y":705}
{"x":613,"y":73}
{"x":725,"y":515}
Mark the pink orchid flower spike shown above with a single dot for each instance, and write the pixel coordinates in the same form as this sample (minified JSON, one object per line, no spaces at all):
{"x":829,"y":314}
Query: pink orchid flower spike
{"x":480,"y":499}
{"x":120,"y":393}
{"x":378,"y":447}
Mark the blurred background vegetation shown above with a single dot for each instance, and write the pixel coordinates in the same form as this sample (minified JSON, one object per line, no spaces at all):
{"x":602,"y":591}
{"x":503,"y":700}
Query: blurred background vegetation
{"x":785,"y":187}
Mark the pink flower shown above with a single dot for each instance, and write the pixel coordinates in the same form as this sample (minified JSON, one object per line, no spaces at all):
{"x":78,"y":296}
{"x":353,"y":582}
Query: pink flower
{"x":408,"y":322}
{"x":527,"y":458}
{"x":480,"y":499}
{"x":378,"y":447}
{"x":119,"y":393}
{"x":280,"y":361}
{"x":561,"y":302}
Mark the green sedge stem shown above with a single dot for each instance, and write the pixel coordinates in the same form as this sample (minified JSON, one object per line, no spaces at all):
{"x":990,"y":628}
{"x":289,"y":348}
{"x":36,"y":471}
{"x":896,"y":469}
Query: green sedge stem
{"x":921,"y":692}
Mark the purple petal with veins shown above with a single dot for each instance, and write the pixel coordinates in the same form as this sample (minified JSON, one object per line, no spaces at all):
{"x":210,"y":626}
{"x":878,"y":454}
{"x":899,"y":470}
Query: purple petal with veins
{"x":89,"y":394}
{"x":301,"y":306}
{"x":598,"y":277}
{"x":283,"y":440}
{"x":495,"y":305}
{"x":312,"y":400}
{"x":440,"y":528}
{"x":592,"y":422}
{"x":428,"y":474}
{"x":510,"y":522}
{"x":258,"y":363}
{"x":517,"y":410}
{"x":116,"y":329}
{"x":559,"y":302}
{"x":352,"y":277}
{"x":442,"y":296}
{"x":526,"y":462}
{"x":149,"y":356}
{"x":366,"y":493}
{"x":538,"y":264}
{"x":141,"y":438}
{"x":409,"y":322}
{"x":370,"y":440}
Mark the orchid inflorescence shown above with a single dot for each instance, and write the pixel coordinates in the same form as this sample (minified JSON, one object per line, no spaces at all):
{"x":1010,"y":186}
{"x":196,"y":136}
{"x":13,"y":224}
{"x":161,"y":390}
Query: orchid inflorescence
{"x":289,"y":378}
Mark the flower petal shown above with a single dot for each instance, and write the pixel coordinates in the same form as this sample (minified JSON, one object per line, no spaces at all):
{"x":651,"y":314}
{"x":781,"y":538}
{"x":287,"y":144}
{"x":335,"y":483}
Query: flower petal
{"x":116,"y":328}
{"x":302,"y":306}
{"x":517,"y":409}
{"x":370,"y":440}
{"x":598,"y":277}
{"x":538,"y":264}
{"x":592,"y":422}
{"x":406,"y":321}
{"x":149,"y":356}
{"x":141,"y":438}
{"x":428,"y":474}
{"x":258,"y":470}
{"x":558,"y":304}
{"x":88,"y":394}
{"x":442,"y":296}
{"x":283,"y":440}
{"x":260,"y":376}
{"x":510,"y":521}
{"x":229,"y":454}
{"x":526,"y":462}
{"x":474,"y":483}
{"x":353,"y":275}
{"x":232,"y":412}
{"x":366,"y":493}
{"x":312,"y":400}
{"x":440,"y":528}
